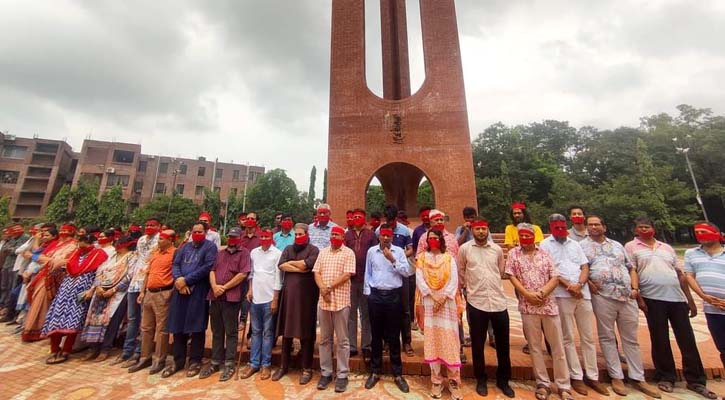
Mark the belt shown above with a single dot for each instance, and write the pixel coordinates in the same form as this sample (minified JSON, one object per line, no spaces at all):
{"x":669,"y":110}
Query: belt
{"x":384,"y":291}
{"x":160,"y":289}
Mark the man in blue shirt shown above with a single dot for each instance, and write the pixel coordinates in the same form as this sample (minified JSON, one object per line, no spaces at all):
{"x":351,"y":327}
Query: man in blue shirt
{"x":386,"y":268}
{"x":284,"y":236}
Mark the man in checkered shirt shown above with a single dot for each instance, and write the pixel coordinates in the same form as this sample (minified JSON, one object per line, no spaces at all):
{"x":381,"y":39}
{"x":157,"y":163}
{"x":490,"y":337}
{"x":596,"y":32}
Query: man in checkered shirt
{"x":333,"y":269}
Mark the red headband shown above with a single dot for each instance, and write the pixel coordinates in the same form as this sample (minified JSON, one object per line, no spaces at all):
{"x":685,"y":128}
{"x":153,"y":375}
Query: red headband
{"x":338,"y":230}
{"x":386,"y":232}
{"x":531,"y":231}
{"x":479,"y":224}
{"x":436,"y":215}
{"x":163,"y":235}
{"x":322,"y":209}
{"x":706,"y":227}
{"x":134,"y":228}
{"x":205,"y":215}
{"x":520,"y":206}
{"x":69,"y":228}
{"x":125,"y":245}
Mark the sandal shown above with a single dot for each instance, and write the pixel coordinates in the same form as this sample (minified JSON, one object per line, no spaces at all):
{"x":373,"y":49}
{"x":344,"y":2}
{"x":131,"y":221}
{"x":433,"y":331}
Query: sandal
{"x":565,"y":394}
{"x":702,"y":390}
{"x":193,"y":370}
{"x":542,"y":392}
{"x":58,"y":359}
{"x":51,"y":358}
{"x":665,"y":386}
{"x":170,"y":370}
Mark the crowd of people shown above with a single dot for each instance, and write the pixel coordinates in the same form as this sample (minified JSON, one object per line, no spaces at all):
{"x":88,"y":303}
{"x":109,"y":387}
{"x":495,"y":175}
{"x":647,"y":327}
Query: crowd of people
{"x":367,"y":285}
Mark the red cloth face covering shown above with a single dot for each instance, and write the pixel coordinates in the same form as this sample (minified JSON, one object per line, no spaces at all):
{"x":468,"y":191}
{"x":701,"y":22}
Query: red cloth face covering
{"x":526,"y":241}
{"x":150,"y":231}
{"x":336,"y":242}
{"x":434,"y":243}
{"x":558,"y":229}
{"x":234,"y":241}
{"x":104,"y":240}
{"x":250,"y":223}
{"x":439,"y":227}
{"x":646,"y":234}
{"x":323,"y":218}
{"x":198,"y":237}
{"x":577,"y":219}
{"x":712,"y":235}
{"x":286,"y":225}
{"x":265,"y":241}
{"x":301,"y":239}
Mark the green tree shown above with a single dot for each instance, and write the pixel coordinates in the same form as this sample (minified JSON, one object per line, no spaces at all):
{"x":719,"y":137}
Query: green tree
{"x":275,"y":192}
{"x":313,"y":180}
{"x":212,"y":204}
{"x":324,"y":187}
{"x":4,"y":210}
{"x":177,"y":212}
{"x":374,"y":199}
{"x":112,"y":208}
{"x":425,"y":197}
{"x":58,"y":211}
{"x":85,"y":204}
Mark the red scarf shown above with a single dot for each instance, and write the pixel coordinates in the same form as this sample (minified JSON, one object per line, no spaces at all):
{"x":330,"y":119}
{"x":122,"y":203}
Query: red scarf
{"x":90,"y":262}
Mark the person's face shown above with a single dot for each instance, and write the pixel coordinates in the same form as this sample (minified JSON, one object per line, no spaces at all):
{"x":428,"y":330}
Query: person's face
{"x":595,"y":228}
{"x":45,"y":237}
{"x":480,"y":233}
{"x":278,"y":219}
{"x":300,"y":232}
{"x":81,"y":232}
{"x":197,"y":229}
{"x":523,"y":236}
{"x":700,"y":231}
{"x":164,"y":243}
{"x":242,"y":219}
{"x":438,"y":220}
{"x":576,"y":212}
{"x":102,"y":235}
{"x":83,"y":245}
{"x":518,"y":215}
{"x":204,"y":220}
{"x":152,"y":224}
{"x":252,"y":216}
{"x":643,"y":229}
{"x":323,"y":213}
{"x":386,"y":240}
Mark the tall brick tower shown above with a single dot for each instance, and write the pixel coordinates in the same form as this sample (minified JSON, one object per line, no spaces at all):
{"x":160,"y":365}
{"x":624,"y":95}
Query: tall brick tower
{"x":399,"y":138}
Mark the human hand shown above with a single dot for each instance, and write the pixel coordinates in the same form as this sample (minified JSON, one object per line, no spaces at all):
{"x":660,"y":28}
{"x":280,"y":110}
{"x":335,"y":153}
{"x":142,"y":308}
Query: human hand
{"x":218,"y":290}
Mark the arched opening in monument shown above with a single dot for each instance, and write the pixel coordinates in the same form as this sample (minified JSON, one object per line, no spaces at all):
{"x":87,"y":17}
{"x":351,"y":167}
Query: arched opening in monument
{"x":394,"y":59}
{"x":401,"y":184}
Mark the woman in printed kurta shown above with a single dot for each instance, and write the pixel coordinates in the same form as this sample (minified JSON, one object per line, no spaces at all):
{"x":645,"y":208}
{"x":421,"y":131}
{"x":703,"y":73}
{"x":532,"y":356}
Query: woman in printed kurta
{"x":108,"y":305}
{"x":437,"y":281}
{"x":43,"y":288}
{"x":68,"y":310}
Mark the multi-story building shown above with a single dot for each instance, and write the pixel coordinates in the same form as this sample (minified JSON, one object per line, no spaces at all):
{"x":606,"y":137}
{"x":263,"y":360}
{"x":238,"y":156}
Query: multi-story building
{"x":33,"y":170}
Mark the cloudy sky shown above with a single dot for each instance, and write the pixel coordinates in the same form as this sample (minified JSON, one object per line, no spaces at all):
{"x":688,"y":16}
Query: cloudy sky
{"x":247,"y":80}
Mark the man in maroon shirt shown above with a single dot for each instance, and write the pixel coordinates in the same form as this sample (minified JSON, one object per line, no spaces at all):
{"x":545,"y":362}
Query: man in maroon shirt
{"x":230,"y":269}
{"x":359,"y":238}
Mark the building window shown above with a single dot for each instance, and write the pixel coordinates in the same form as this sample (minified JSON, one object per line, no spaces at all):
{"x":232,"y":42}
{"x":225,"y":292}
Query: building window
{"x":10,"y":151}
{"x":114,"y":180}
{"x":46,"y":148}
{"x":252,"y":176}
{"x":142,"y":166}
{"x":123,"y":156}
{"x":199,"y":190}
{"x":180,"y":189}
{"x":163,"y":167}
{"x":9,"y":177}
{"x":233,"y":192}
{"x":217,"y":189}
{"x":160,"y":188}
{"x":182,"y":169}
{"x":137,"y":186}
{"x":201,"y":172}
{"x":219,"y":173}
{"x":235,"y":175}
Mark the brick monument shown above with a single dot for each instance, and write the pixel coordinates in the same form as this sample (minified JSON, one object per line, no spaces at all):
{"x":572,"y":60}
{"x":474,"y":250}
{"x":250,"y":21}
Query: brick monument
{"x":399,"y":138}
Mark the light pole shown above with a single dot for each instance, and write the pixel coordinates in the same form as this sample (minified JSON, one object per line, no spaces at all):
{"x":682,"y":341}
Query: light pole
{"x":685,"y":150}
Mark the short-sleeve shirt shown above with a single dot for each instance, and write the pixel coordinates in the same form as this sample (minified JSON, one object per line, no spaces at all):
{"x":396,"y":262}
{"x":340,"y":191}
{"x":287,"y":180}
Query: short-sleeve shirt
{"x":226,"y":266}
{"x":534,"y":272}
{"x":331,"y":264}
{"x":574,"y":235}
{"x":569,"y":258}
{"x":281,"y":240}
{"x":657,"y":270}
{"x":608,"y":268}
{"x":512,"y":235}
{"x":709,"y":273}
{"x":319,"y":235}
{"x":479,"y":268}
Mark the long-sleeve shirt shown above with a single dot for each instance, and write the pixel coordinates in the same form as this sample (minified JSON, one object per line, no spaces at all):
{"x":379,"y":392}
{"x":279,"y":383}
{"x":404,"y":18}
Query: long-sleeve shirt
{"x":381,"y":274}
{"x":146,"y":244}
{"x":360,"y":243}
{"x":194,"y":263}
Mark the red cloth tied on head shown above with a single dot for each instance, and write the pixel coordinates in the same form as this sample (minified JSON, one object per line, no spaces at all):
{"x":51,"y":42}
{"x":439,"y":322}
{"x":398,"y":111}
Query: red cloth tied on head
{"x":519,"y":206}
{"x":205,"y":215}
{"x":526,"y":230}
{"x":710,"y":235}
{"x":164,"y":235}
{"x":338,"y":230}
{"x":68,"y":228}
{"x":125,"y":245}
{"x":134,"y":228}
{"x":266,"y":232}
{"x":479,"y":224}
{"x":436,"y":214}
{"x":386,"y":232}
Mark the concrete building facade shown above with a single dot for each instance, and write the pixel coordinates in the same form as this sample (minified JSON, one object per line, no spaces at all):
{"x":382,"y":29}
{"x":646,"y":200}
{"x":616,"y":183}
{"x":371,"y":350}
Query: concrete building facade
{"x":33,"y":170}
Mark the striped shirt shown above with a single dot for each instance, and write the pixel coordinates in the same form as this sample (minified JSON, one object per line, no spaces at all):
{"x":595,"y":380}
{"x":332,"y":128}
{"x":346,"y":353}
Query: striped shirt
{"x":709,"y":273}
{"x":657,"y":270}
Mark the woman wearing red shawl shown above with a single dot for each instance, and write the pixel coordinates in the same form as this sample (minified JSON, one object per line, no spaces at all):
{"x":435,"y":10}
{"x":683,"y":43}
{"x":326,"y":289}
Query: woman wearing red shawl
{"x":43,"y":287}
{"x":68,"y":310}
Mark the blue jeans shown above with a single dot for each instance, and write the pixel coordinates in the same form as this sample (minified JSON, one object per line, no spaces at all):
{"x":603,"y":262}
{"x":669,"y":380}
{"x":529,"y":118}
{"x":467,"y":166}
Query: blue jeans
{"x":132,"y":346}
{"x":262,"y":335}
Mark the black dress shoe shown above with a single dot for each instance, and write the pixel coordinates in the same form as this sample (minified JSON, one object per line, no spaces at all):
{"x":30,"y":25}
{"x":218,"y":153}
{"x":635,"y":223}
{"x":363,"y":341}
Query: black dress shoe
{"x":278,"y":374}
{"x":372,"y":381}
{"x":324,"y":382}
{"x":402,"y":384}
{"x":506,"y":390}
{"x":353,"y":353}
{"x":156,"y":368}
{"x":140,"y":365}
{"x":306,"y":376}
{"x":481,"y":388}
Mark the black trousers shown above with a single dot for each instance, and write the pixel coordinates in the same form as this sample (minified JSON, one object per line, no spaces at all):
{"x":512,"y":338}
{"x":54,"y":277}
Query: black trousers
{"x":478,"y":322}
{"x":716,"y":325}
{"x":196,"y":348}
{"x":307,"y":349}
{"x":224,"y":321}
{"x":659,"y":313}
{"x":405,"y":291}
{"x":386,"y":314}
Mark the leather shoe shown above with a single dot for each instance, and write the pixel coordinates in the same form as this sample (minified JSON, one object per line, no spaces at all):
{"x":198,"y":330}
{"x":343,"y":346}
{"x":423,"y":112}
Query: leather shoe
{"x":119,"y":359}
{"x":324,"y":382}
{"x":248,"y":371}
{"x":340,"y":385}
{"x":505,"y":388}
{"x":598,"y":387}
{"x":264,"y":373}
{"x":481,"y":388}
{"x":647,"y":389}
{"x":130,"y":362}
{"x":306,"y":376}
{"x":372,"y":381}
{"x":579,"y":387}
{"x":140,"y":365}
{"x":402,"y":384}
{"x":619,"y":388}
{"x":279,"y":373}
{"x":156,"y":368}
